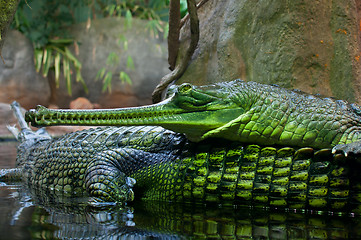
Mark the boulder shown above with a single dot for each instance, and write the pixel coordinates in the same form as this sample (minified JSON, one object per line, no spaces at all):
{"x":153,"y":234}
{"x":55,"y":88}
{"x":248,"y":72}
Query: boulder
{"x":308,"y":45}
{"x":18,"y":78}
{"x":81,"y":103}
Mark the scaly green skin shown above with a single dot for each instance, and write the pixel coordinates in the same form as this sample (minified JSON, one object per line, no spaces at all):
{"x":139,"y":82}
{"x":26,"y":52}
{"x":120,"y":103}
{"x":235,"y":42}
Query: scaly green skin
{"x":168,"y":167}
{"x":237,"y":111}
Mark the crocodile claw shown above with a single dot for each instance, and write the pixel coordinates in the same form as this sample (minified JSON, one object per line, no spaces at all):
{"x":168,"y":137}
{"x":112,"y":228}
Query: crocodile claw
{"x":349,"y":148}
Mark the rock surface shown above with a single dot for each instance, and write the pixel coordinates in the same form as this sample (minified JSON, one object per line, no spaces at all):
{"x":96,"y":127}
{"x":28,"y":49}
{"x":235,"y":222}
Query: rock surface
{"x":19,"y":81}
{"x":18,"y":78}
{"x":107,"y":36}
{"x":308,"y":45}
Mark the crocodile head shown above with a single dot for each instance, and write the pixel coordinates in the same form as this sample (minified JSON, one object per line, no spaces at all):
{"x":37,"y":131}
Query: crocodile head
{"x":192,"y":110}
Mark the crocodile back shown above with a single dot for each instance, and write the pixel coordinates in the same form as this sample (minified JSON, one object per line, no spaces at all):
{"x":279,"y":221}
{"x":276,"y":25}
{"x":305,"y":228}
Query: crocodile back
{"x":167,"y":167}
{"x":275,"y":115}
{"x":61,"y":163}
{"x":251,"y":175}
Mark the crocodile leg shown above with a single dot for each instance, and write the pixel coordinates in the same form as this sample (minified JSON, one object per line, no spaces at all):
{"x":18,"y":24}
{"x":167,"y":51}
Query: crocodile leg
{"x":346,"y":149}
{"x":105,"y":183}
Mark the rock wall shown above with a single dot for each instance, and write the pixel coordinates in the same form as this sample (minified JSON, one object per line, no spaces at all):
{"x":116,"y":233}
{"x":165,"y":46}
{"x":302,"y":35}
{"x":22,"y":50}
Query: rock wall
{"x":18,"y":78}
{"x":314,"y":46}
{"x":19,"y":81}
{"x":96,"y":42}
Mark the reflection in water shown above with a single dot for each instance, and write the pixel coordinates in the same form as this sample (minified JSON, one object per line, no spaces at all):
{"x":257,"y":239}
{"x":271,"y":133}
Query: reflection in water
{"x":40,"y":215}
{"x":23,"y":217}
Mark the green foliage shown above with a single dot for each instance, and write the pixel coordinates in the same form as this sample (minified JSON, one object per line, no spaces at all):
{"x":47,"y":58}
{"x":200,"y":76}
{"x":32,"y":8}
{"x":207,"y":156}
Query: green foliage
{"x":156,"y":12}
{"x":106,"y":73}
{"x":45,"y":22}
{"x":52,"y":56}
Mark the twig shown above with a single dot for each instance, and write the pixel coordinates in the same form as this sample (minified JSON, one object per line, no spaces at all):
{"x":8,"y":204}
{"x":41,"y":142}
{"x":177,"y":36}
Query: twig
{"x":186,"y":17}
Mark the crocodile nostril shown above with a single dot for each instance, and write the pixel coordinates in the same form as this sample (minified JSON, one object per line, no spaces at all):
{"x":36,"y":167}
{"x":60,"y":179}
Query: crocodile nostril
{"x":185,"y":88}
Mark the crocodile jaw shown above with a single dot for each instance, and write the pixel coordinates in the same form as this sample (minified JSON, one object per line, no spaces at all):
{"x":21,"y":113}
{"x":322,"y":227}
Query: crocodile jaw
{"x":195,"y":124}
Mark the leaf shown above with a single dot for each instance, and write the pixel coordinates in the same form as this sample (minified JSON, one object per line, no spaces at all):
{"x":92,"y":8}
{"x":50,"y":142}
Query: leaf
{"x":62,"y":41}
{"x":121,"y":39}
{"x":45,"y":55}
{"x":57,"y":68}
{"x":130,"y":63}
{"x":38,"y":55}
{"x":124,"y":77}
{"x":128,"y":19}
{"x":183,"y":7}
{"x":71,"y":57}
{"x":107,"y":82}
{"x":48,"y":62}
{"x":79,"y":78}
{"x":100,"y":74}
{"x":113,"y":59}
{"x":125,"y":45}
{"x":111,"y":9}
{"x":67,"y":76}
{"x":154,"y":27}
{"x":166,"y":31}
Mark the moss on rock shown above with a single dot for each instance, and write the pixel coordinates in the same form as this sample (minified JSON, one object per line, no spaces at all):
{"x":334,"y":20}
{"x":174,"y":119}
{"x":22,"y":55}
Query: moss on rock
{"x":7,"y":11}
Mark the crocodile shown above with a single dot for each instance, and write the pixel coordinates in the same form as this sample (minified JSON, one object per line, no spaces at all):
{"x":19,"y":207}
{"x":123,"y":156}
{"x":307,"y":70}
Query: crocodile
{"x":113,"y":165}
{"x":247,"y":112}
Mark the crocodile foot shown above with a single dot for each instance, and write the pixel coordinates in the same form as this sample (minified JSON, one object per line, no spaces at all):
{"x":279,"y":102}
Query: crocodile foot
{"x":106,"y":184}
{"x":109,"y":191}
{"x":349,"y":148}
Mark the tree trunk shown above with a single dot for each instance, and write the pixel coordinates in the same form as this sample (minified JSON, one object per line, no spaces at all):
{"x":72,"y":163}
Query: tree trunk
{"x":314,"y":46}
{"x":7,"y":11}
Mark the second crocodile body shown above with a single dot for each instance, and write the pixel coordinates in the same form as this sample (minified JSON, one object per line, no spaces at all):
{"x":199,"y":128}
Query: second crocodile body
{"x":105,"y":163}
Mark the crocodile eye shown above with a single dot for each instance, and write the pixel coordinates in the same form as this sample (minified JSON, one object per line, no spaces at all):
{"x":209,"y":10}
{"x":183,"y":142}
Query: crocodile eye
{"x":185,"y":88}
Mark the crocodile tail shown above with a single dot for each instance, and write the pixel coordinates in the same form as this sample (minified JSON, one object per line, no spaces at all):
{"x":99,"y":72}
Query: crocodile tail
{"x":26,"y":134}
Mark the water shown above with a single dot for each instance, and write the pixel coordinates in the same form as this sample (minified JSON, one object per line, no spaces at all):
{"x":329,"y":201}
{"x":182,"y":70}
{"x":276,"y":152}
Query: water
{"x":26,"y":215}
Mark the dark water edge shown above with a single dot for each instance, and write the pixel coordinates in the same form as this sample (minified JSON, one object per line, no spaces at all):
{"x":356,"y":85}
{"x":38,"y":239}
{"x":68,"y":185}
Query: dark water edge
{"x":39,"y":215}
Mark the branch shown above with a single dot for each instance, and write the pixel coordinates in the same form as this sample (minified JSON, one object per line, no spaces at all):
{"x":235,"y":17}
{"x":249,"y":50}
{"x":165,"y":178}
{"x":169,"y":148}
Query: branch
{"x":173,"y":36}
{"x":186,"y":17}
{"x":182,"y":66}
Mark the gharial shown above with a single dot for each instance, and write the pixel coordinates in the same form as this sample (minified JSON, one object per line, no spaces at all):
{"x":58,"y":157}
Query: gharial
{"x":212,"y":163}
